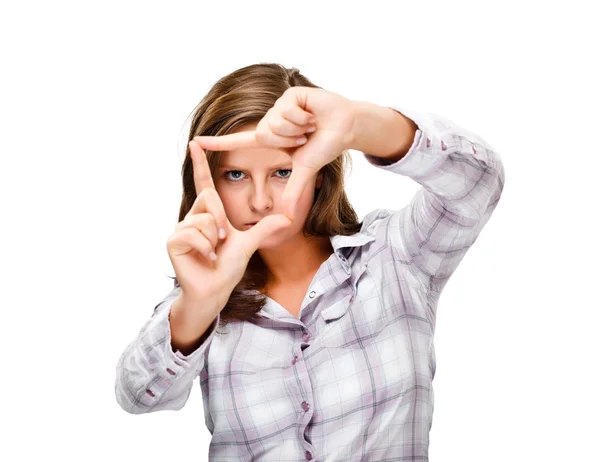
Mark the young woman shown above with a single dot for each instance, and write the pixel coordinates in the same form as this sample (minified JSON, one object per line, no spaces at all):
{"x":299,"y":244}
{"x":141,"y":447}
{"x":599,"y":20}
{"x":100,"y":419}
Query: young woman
{"x":311,"y":332}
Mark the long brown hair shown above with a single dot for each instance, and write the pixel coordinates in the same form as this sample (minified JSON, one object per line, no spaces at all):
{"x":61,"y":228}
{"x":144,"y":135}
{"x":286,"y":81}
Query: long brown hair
{"x":241,"y":98}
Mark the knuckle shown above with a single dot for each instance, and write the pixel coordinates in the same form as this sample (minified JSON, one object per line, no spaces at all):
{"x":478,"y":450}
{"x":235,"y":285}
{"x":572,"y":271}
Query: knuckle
{"x":207,"y":225}
{"x":262,"y":137}
{"x":291,"y":114}
{"x":276,"y":125}
{"x":171,"y":241}
{"x":204,"y":245}
{"x":180,"y":225}
{"x":188,"y":233}
{"x":198,"y":221}
{"x":209,"y":220}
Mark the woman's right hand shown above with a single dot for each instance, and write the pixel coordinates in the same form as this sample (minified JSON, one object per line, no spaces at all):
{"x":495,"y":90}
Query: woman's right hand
{"x":196,"y":236}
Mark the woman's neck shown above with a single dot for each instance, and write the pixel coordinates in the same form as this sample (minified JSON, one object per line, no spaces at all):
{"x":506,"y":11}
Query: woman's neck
{"x":297,"y":261}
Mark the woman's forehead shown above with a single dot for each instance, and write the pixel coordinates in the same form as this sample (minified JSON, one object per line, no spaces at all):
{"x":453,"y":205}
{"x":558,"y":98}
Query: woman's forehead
{"x":255,"y":158}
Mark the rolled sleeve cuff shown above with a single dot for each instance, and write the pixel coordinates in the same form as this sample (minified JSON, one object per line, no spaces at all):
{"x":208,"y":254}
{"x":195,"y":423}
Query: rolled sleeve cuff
{"x":433,"y":139}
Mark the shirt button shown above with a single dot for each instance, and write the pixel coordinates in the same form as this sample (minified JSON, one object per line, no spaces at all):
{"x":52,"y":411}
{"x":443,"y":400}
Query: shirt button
{"x":305,"y":406}
{"x":294,"y":360}
{"x":305,"y":336}
{"x":308,"y":455}
{"x":312,"y":294}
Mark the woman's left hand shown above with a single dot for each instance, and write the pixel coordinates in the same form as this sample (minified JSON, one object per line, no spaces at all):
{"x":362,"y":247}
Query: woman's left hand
{"x":285,"y":122}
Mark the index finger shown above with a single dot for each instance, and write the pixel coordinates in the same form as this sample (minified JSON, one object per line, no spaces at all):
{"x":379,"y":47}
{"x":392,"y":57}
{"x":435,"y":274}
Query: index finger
{"x":202,"y":177}
{"x":229,"y":142}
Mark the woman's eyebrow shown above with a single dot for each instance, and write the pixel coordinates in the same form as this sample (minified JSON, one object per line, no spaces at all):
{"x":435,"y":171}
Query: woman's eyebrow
{"x":281,"y":165}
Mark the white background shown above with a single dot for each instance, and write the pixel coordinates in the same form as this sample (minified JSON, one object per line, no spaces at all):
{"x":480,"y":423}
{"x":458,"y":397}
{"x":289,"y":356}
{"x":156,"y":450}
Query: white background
{"x":95,"y":99}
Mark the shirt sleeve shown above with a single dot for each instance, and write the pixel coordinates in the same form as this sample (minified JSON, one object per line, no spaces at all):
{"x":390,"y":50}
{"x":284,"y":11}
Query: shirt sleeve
{"x":150,"y":376}
{"x":462,"y":179}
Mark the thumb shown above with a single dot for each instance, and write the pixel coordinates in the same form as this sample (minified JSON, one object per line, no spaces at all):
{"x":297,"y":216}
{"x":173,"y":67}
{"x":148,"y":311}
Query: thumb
{"x":298,"y":180}
{"x":263,"y":229}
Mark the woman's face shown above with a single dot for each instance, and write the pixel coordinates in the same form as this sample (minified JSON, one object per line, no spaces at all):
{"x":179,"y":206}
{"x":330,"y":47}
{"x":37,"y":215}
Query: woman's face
{"x":250,"y":183}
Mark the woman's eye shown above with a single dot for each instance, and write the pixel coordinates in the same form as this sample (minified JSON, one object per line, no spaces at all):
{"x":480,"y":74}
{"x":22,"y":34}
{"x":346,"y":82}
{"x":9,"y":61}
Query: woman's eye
{"x":235,"y":178}
{"x":231,"y":171}
{"x":285,"y":170}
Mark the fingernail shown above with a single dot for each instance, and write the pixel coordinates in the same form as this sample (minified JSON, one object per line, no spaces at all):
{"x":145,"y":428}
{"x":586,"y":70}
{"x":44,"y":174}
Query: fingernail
{"x":213,"y":256}
{"x":301,"y":140}
{"x":311,"y":129}
{"x":222,"y":233}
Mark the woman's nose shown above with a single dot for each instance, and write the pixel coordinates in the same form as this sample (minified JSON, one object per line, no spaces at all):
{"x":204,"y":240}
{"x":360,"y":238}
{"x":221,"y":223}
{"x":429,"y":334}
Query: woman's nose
{"x":261,"y":199}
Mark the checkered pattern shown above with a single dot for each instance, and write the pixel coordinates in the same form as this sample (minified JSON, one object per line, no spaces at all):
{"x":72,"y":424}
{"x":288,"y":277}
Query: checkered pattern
{"x":351,"y":379}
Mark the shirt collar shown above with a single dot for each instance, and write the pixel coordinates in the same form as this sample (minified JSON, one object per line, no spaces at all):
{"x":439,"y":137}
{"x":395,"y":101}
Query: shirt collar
{"x":340,"y":242}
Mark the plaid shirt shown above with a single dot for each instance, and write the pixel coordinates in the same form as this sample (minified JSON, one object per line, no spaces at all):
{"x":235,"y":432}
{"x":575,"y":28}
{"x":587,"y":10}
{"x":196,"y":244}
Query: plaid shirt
{"x":351,"y":379}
